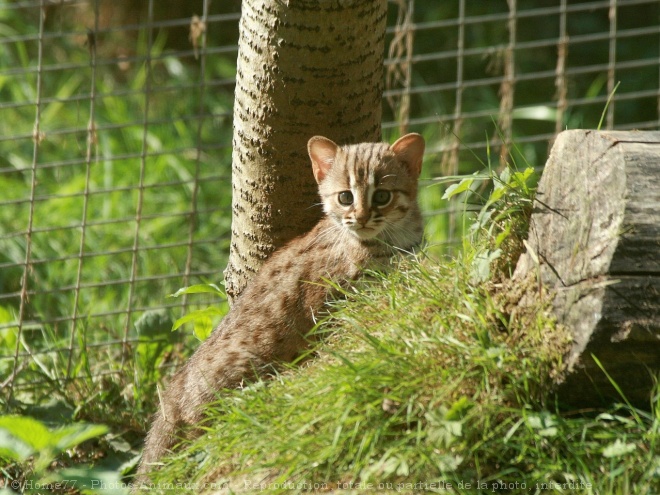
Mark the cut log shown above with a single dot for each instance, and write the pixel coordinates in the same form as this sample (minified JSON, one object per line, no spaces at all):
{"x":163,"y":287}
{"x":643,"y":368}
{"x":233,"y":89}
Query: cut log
{"x":594,"y":244}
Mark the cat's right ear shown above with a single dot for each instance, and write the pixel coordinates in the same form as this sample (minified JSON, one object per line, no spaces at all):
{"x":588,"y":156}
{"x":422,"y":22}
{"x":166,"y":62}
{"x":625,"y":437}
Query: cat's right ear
{"x":322,"y":151}
{"x":410,"y":150}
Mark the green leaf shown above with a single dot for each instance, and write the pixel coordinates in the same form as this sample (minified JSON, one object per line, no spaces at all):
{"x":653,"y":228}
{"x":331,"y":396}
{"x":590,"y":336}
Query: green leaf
{"x":481,"y":264}
{"x":620,"y":419}
{"x":497,"y":194}
{"x":7,"y":334}
{"x":129,"y":465}
{"x":13,"y":448}
{"x":403,"y":469}
{"x":455,"y":189}
{"x":118,"y":444}
{"x":154,"y":328}
{"x":505,"y":178}
{"x":548,"y":432}
{"x":196,"y":315}
{"x":503,"y":235}
{"x":440,"y":430}
{"x":93,"y":481}
{"x":69,"y":436}
{"x":203,"y":327}
{"x":22,"y":437}
{"x":618,"y":449}
{"x":459,"y":408}
{"x":524,"y":176}
{"x":27,"y":430}
{"x":544,"y":424}
{"x":154,"y":323}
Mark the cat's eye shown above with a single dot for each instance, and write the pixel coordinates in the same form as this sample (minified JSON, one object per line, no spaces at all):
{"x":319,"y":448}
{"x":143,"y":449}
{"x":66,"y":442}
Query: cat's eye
{"x":381,"y":198}
{"x":345,"y":198}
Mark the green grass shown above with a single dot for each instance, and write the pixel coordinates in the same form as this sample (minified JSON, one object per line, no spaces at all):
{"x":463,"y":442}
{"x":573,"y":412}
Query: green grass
{"x":113,"y":385}
{"x":175,"y":182}
{"x":427,"y":379}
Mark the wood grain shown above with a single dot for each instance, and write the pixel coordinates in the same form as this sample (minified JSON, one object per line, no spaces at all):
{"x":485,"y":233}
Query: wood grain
{"x":596,"y":234}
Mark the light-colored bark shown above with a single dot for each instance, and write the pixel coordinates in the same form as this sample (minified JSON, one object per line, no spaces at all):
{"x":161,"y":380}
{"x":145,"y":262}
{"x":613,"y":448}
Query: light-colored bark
{"x":305,"y":68}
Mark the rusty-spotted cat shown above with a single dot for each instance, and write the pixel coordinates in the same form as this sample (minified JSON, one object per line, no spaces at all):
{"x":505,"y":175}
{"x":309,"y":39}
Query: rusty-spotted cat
{"x":369,"y":196}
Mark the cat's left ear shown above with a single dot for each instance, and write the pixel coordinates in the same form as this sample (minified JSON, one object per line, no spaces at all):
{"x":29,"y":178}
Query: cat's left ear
{"x":322,"y":151}
{"x":410,"y":150}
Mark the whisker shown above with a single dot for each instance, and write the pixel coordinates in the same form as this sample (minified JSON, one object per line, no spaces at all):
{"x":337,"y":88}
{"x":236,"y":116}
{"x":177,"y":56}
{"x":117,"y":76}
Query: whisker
{"x":380,"y":182}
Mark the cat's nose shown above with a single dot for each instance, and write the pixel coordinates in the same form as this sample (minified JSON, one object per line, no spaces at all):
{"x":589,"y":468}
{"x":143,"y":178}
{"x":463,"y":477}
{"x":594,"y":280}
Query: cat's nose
{"x":362,"y":216}
{"x":362,"y":212}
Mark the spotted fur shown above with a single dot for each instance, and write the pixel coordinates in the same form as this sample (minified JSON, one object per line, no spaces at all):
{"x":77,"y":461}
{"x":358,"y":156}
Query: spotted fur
{"x":270,"y":321}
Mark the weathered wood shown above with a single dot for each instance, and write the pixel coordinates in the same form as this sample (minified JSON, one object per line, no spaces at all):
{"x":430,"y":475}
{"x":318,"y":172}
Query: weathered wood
{"x":595,"y":242}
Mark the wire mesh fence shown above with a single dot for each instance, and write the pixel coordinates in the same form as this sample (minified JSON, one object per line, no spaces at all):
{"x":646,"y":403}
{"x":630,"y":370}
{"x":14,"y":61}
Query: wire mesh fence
{"x":115,"y":149}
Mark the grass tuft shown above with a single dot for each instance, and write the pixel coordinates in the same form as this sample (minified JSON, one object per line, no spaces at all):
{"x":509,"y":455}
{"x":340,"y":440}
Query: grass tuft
{"x":432,"y":378}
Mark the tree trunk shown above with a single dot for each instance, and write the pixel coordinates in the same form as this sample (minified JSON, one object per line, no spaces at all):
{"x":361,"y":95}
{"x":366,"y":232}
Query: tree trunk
{"x":305,"y":68}
{"x":594,"y":245}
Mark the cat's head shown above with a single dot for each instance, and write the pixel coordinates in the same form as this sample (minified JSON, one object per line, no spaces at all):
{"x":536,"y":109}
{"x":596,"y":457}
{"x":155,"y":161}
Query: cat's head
{"x":371,"y":188}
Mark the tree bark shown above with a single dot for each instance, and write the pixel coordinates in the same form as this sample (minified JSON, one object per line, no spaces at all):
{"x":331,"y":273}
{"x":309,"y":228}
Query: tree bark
{"x":305,"y":68}
{"x":595,"y":246}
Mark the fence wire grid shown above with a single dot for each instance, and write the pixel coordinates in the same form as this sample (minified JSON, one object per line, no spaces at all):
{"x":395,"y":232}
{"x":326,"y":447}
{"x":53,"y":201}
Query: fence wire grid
{"x":115,"y":143}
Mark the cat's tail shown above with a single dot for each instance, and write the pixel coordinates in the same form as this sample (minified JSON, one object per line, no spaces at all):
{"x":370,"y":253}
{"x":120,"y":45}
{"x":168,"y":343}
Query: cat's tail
{"x":162,"y":436}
